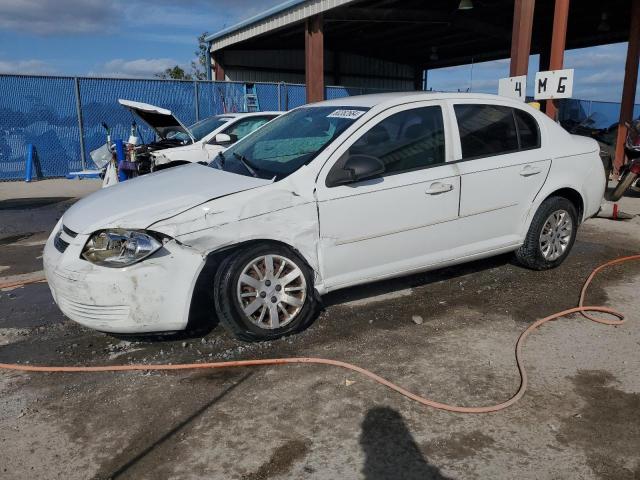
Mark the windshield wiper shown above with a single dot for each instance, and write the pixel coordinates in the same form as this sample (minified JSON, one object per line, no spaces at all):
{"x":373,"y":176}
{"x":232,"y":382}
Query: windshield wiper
{"x":220,"y":159}
{"x":245,"y":164}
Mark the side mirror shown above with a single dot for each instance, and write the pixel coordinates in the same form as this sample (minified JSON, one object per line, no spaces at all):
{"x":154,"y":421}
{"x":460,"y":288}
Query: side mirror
{"x":222,"y":138}
{"x":356,"y":168}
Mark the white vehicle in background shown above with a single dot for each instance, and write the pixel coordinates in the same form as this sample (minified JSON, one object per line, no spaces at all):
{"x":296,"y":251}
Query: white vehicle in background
{"x":327,"y":196}
{"x":177,"y":143}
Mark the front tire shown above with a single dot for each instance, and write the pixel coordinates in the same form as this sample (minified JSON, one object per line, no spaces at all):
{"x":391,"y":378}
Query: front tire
{"x":264,"y":292}
{"x":551,"y":235}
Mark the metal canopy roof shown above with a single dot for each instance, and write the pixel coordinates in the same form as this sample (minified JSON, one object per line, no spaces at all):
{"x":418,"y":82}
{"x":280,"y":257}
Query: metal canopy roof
{"x":285,"y":14}
{"x":426,"y":34}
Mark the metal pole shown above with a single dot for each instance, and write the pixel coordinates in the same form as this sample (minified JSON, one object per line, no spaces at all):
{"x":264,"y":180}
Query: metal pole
{"x":521,"y":36}
{"x":629,"y":83}
{"x":279,"y":99}
{"x":286,"y":97}
{"x":314,"y":58}
{"x":208,"y":58}
{"x":80,"y":127}
{"x":558,"y":43}
{"x":196,"y":99}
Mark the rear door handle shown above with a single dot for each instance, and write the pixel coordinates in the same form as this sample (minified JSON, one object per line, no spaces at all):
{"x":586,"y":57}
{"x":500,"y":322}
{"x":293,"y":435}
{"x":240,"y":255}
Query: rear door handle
{"x":438,"y":187}
{"x":528,"y":170}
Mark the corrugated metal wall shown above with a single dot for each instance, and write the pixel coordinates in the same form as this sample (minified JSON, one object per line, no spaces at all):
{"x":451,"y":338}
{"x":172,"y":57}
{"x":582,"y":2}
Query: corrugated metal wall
{"x":288,"y":66}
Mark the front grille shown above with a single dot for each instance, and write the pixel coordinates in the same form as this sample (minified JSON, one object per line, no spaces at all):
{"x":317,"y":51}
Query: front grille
{"x":59,"y":243}
{"x":69,"y":232}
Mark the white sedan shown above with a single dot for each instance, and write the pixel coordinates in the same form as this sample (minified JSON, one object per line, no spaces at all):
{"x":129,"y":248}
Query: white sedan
{"x":199,"y":142}
{"x":327,"y":196}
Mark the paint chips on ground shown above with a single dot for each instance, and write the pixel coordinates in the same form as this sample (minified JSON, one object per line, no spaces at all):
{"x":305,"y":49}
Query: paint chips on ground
{"x":350,"y":114}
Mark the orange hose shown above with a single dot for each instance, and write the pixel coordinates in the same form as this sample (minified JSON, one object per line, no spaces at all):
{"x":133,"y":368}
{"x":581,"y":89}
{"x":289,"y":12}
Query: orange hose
{"x":337,"y":363}
{"x":22,"y":283}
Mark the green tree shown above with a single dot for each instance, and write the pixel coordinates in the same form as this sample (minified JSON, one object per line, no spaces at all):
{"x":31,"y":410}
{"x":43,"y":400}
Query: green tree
{"x":175,"y":73}
{"x":198,"y":66}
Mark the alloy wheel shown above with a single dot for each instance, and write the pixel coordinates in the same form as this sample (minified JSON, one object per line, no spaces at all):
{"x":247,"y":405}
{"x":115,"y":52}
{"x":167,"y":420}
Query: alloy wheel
{"x":271,"y":291}
{"x":556,"y":235}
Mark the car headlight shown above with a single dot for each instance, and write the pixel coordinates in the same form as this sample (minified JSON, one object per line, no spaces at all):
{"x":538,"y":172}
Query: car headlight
{"x":120,"y":248}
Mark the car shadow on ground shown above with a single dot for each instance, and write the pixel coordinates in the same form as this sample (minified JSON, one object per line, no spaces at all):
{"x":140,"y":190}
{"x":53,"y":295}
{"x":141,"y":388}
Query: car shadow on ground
{"x":390,"y":449}
{"x":29,"y":203}
{"x":202,"y":318}
{"x":389,"y":286}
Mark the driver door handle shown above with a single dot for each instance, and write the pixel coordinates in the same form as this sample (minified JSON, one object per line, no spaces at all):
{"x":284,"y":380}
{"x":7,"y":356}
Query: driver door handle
{"x":438,"y":187}
{"x":528,"y":170}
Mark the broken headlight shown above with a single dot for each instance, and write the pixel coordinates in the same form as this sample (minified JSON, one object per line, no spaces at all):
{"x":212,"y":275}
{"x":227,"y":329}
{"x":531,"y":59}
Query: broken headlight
{"x":120,"y":248}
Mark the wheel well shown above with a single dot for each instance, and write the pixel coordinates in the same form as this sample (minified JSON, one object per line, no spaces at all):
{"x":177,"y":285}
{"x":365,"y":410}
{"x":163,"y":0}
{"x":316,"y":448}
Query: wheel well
{"x":202,"y":299}
{"x":574,"y":197}
{"x":216,"y":255}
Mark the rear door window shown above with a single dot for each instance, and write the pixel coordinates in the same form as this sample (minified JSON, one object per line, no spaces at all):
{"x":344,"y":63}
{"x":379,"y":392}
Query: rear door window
{"x":486,"y":130}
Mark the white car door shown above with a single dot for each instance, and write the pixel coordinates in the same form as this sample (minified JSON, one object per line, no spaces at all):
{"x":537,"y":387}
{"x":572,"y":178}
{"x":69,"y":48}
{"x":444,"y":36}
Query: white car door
{"x":237,"y":131}
{"x":502,"y":168}
{"x":401,"y":220}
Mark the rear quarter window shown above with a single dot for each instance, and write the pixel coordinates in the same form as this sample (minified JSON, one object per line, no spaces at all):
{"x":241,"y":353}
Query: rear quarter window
{"x":528,"y":130}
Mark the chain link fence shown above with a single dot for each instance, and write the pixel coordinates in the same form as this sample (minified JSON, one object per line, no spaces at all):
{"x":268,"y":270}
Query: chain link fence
{"x":39,"y":111}
{"x":61,"y":116}
{"x":593,"y":113}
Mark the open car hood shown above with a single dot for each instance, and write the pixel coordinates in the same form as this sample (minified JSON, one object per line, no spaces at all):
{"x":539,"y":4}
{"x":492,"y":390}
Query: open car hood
{"x":161,"y":120}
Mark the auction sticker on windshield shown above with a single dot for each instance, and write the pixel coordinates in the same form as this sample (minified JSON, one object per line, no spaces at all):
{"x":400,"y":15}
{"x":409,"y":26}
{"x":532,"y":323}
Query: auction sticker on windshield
{"x":352,"y":114}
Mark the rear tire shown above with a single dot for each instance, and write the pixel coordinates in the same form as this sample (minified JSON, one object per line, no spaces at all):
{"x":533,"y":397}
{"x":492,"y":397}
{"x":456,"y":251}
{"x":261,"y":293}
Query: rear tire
{"x":551,"y":235}
{"x":635,"y":188}
{"x":264,"y":292}
{"x":623,"y":185}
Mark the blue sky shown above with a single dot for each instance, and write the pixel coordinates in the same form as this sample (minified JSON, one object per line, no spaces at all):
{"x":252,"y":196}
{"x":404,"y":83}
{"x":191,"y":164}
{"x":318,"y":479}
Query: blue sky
{"x":129,"y":38}
{"x":138,"y":38}
{"x":599,"y":72}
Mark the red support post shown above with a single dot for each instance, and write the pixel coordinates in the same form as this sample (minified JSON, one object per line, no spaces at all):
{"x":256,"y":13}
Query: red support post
{"x":314,"y":59}
{"x":521,"y":36}
{"x":218,"y":69}
{"x":629,"y":86}
{"x":558,"y":42}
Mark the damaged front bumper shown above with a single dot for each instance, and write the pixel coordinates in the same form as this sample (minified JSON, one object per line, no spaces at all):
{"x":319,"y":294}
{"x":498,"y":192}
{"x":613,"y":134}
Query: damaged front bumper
{"x":153,"y":295}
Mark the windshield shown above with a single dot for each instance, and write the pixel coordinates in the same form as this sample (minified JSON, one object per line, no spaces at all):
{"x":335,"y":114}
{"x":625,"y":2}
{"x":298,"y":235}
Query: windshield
{"x":201,"y":129}
{"x":283,"y":145}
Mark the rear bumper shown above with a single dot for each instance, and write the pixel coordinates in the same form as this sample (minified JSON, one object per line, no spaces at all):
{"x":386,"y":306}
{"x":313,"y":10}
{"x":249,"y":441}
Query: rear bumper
{"x":151,"y":296}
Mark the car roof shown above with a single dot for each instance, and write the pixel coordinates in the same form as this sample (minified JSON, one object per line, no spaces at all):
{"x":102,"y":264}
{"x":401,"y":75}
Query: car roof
{"x":391,"y":98}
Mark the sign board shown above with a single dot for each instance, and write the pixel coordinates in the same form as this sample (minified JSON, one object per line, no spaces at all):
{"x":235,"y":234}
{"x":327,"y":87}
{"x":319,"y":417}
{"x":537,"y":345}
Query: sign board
{"x":553,"y":84}
{"x":513,"y":87}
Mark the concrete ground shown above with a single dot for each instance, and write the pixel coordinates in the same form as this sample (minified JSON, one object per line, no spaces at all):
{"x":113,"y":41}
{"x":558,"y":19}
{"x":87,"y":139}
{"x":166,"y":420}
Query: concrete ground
{"x":579,"y":418}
